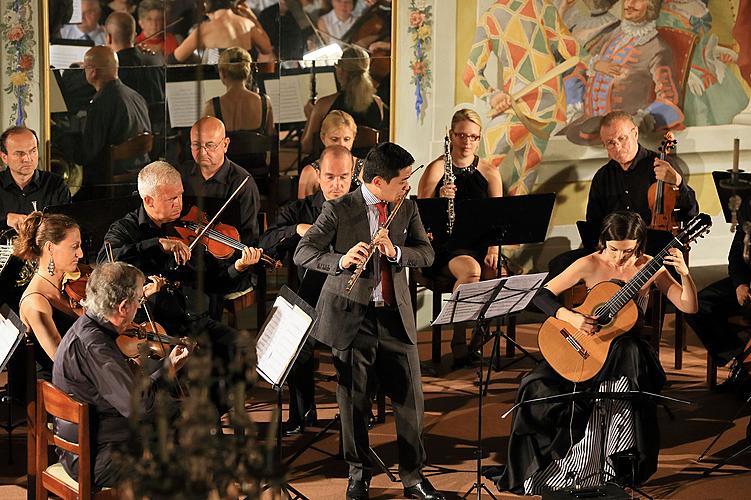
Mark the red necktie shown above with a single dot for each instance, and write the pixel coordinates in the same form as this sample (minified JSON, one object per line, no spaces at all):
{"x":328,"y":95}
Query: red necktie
{"x":387,"y":281}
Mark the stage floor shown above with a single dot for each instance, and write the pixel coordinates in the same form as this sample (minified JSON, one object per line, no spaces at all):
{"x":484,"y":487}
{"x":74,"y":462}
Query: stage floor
{"x":451,"y":429}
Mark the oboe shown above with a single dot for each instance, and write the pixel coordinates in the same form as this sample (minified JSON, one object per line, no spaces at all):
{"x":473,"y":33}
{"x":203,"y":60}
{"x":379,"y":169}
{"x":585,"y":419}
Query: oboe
{"x":371,"y":246}
{"x":448,"y":178}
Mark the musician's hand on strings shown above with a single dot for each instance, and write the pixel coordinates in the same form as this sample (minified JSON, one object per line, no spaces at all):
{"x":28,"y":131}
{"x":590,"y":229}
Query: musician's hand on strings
{"x":447,"y":191}
{"x":664,"y":171}
{"x":675,"y":258}
{"x":178,"y":356}
{"x":355,"y":255}
{"x":582,"y":322}
{"x":743,"y":295}
{"x":499,"y":103}
{"x":154,"y":285}
{"x":491,"y":258}
{"x":180,"y":250}
{"x":250,"y":256}
{"x":383,"y":243}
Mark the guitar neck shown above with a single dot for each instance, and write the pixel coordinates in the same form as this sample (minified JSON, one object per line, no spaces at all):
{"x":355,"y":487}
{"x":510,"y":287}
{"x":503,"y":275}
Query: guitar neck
{"x":629,"y":291}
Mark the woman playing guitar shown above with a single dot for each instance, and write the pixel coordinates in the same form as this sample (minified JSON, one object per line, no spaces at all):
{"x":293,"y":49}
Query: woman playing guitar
{"x":570,"y":428}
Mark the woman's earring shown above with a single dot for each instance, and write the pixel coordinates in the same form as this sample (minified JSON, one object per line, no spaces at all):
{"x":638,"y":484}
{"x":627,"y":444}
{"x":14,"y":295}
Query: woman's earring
{"x":51,"y":266}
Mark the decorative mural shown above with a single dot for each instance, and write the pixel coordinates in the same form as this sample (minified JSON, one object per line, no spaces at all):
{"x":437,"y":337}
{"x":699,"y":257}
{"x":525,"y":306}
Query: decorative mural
{"x":18,"y":38}
{"x":421,"y":34}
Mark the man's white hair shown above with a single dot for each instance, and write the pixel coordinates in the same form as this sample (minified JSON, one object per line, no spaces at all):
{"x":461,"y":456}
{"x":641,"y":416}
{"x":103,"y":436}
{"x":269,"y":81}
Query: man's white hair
{"x":155,"y":174}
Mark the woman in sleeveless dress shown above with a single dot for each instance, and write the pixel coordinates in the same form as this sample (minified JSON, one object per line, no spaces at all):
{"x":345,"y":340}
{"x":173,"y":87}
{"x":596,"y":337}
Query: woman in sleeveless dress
{"x":337,"y":129}
{"x":559,"y":444}
{"x":474,"y":179}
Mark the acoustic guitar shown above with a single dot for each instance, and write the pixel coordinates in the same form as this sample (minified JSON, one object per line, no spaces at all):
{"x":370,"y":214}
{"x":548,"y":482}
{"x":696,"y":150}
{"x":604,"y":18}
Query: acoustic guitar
{"x":579,"y":356}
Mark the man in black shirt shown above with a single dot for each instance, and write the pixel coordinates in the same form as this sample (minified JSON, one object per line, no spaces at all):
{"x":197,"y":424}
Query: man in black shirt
{"x":23,"y":188}
{"x":335,"y":177}
{"x":90,"y":367}
{"x":144,"y":238}
{"x":117,"y":113}
{"x":213,"y":175}
{"x":138,"y":70}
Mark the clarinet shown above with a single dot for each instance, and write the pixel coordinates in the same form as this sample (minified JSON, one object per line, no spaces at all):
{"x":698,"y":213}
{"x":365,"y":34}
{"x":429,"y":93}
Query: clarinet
{"x":448,"y":178}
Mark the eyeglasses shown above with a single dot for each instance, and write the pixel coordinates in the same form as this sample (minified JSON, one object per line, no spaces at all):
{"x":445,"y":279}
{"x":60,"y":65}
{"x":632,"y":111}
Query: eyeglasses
{"x":463,"y":137}
{"x":618,"y":141}
{"x":208,"y":147}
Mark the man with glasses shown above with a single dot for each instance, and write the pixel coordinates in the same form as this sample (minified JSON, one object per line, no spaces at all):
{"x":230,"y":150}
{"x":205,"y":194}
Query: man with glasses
{"x":213,"y":175}
{"x":23,"y":188}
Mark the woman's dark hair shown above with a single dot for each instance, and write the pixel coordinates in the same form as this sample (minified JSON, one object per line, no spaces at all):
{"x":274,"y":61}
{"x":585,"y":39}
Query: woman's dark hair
{"x":214,"y":5}
{"x":623,"y":225}
{"x":386,"y":160}
{"x":38,"y":229}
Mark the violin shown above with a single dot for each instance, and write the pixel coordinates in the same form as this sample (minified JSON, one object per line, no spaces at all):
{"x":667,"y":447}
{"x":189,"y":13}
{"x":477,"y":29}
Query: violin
{"x":221,"y":241}
{"x":662,"y":196}
{"x":74,"y":287}
{"x":153,"y":336}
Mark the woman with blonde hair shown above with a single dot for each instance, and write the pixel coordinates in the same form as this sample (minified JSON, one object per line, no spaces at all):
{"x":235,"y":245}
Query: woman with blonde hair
{"x":337,"y":129}
{"x":53,"y":244}
{"x":474,"y":179}
{"x":239,"y":108}
{"x":357,"y":97}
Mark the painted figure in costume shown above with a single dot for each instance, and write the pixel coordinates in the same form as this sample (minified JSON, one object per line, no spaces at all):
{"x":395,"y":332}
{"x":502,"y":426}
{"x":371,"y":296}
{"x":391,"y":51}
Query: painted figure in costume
{"x":634,"y":72}
{"x":528,"y":39}
{"x":731,"y":22}
{"x":714,"y":94}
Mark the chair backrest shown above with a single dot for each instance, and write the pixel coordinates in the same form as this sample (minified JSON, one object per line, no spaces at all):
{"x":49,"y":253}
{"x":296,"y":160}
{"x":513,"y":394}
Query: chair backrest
{"x":366,"y":137}
{"x":52,"y":401}
{"x":682,"y":45}
{"x":132,"y":148}
{"x":246,"y":142}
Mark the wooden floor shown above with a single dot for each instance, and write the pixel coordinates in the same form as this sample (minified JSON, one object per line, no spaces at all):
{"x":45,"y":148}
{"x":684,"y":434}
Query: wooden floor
{"x":451,"y":429}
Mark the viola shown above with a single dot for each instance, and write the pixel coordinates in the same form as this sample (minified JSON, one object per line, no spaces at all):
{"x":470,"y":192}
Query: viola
{"x":221,"y":241}
{"x":153,"y":336}
{"x":662,"y":196}
{"x":74,"y":287}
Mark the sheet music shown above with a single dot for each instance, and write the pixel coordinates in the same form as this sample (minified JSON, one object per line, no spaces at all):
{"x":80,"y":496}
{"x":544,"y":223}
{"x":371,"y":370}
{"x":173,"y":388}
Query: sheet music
{"x":10,"y":337}
{"x":183,"y":101}
{"x":62,"y":56}
{"x":467,"y":301}
{"x":280,"y":340}
{"x":288,"y":98}
{"x":57,"y":102}
{"x":77,"y":16}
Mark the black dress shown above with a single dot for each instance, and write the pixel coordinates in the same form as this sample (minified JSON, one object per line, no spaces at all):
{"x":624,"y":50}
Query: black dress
{"x":470,"y":185}
{"x":542,"y":434}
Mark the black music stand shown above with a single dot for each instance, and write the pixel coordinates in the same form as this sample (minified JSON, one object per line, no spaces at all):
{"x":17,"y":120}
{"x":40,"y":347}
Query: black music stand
{"x":8,"y":346}
{"x":605,"y":488}
{"x":727,"y":184}
{"x":480,"y":302}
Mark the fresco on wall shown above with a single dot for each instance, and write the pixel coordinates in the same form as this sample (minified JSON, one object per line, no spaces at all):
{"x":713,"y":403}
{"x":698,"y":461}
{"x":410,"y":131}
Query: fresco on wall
{"x":672,"y":64}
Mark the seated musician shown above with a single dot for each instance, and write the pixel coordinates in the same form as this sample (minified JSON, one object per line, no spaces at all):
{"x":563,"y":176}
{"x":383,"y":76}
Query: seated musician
{"x":338,"y":128}
{"x":623,"y":182}
{"x":549,"y":445}
{"x":474,"y":179}
{"x":293,"y":221}
{"x":89,"y":367}
{"x":89,"y":27}
{"x":23,"y":188}
{"x":224,"y":28}
{"x":153,"y":35}
{"x":147,"y":239}
{"x":213,"y":175}
{"x":334,"y":24}
{"x":357,"y":98}
{"x":53,"y":244}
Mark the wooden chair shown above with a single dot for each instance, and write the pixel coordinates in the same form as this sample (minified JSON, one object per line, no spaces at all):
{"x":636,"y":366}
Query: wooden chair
{"x":51,"y":401}
{"x":438,"y":285}
{"x":366,"y":138}
{"x":134,"y":147}
{"x":259,"y":155}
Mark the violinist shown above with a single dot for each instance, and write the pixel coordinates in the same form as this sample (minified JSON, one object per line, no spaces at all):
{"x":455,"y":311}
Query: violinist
{"x":213,"y":175}
{"x":623,"y":182}
{"x":146,"y":238}
{"x":153,"y":36}
{"x":53,"y":244}
{"x":334,"y":24}
{"x":473,"y":179}
{"x":89,"y":367}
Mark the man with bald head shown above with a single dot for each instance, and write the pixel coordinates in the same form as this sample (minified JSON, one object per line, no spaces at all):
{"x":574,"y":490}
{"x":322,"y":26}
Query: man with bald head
{"x":138,"y":70}
{"x":116,"y":114}
{"x":213,"y":175}
{"x":89,"y":27}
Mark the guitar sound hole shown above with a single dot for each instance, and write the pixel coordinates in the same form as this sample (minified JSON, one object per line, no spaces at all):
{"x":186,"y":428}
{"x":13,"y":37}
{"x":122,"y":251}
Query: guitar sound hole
{"x":603,"y":315}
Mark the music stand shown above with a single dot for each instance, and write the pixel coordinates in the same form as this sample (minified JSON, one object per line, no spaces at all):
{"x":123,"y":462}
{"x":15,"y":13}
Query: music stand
{"x":604,"y":489}
{"x":280,"y":340}
{"x":12,"y":331}
{"x":727,"y":184}
{"x":480,"y":302}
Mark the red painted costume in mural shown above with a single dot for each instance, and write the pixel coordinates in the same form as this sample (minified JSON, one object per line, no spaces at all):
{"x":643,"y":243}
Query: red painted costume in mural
{"x":526,"y":37}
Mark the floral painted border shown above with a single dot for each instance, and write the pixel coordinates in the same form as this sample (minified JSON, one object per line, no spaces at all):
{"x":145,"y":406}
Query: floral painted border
{"x":17,"y":32}
{"x":421,"y":34}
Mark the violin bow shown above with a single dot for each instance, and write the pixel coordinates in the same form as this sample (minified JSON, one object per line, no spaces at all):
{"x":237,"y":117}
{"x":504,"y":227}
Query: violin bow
{"x":213,"y":219}
{"x":161,"y":31}
{"x":108,"y":251}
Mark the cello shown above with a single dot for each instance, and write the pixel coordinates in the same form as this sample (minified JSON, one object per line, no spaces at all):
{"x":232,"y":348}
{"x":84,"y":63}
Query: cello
{"x":662,"y":196}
